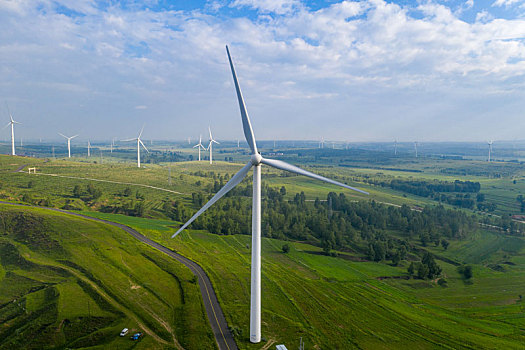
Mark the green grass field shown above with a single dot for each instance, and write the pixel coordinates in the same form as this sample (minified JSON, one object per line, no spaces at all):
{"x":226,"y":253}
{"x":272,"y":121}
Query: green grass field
{"x":336,"y":303}
{"x":331,"y":302}
{"x":72,"y":282}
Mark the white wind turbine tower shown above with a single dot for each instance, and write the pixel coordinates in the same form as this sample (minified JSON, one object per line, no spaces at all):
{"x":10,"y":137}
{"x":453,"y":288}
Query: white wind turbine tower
{"x":68,"y":143}
{"x":139,"y":142}
{"x":415,"y":147}
{"x":89,"y":149}
{"x":256,"y":161}
{"x":12,"y":122}
{"x":490,"y":148}
{"x":199,"y":146}
{"x":210,"y":145}
{"x":395,"y":147}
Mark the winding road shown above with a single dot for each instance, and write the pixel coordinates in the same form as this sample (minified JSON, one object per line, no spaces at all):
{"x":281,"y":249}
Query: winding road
{"x":218,"y":324}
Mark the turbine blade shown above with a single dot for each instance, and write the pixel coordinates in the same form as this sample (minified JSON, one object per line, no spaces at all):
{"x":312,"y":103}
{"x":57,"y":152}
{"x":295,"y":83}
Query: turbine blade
{"x":8,"y":111}
{"x":141,"y":130}
{"x":246,"y":125}
{"x":143,"y":145}
{"x":63,"y":135}
{"x":72,"y":137}
{"x":126,"y":140}
{"x":6,"y":125}
{"x":196,"y":146}
{"x":279,"y":164}
{"x":234,"y":181}
{"x":217,"y":142}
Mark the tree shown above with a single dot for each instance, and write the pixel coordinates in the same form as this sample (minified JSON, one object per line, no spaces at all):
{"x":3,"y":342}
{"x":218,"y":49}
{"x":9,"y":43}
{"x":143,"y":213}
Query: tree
{"x":444,"y":244}
{"x":422,"y":271}
{"x":466,"y":271}
{"x":127,"y":191}
{"x":285,"y":248}
{"x":94,"y":192}
{"x":411,"y":269}
{"x":433,"y":269}
{"x":283,"y":191}
{"x":77,"y":192}
{"x":396,"y":258}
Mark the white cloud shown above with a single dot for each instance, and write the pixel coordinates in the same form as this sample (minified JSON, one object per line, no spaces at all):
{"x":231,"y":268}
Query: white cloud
{"x":269,"y":6}
{"x":358,"y":57}
{"x":506,"y":3}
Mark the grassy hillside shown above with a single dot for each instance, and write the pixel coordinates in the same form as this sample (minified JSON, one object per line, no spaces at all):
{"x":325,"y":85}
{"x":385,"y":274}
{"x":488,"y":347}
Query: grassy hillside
{"x":337,"y":303}
{"x":71,"y":282}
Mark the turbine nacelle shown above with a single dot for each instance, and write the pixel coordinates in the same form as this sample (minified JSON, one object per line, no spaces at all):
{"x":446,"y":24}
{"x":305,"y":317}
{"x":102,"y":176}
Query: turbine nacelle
{"x":256,"y":159}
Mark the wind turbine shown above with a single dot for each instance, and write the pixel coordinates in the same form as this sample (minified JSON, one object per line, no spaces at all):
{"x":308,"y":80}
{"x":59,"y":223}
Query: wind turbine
{"x":256,"y":161}
{"x":395,"y":147}
{"x":68,"y":143}
{"x":12,"y":122}
{"x":89,"y":149}
{"x":200,"y":146}
{"x":415,"y":147}
{"x":210,"y":145}
{"x":490,"y":148}
{"x":139,"y":142}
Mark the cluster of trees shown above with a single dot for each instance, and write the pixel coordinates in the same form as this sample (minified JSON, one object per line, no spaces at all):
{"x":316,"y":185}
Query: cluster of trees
{"x":426,"y":269}
{"x":127,"y":205}
{"x":457,"y":193}
{"x":427,"y":188}
{"x":89,"y":194}
{"x":336,"y":223}
{"x":503,"y":223}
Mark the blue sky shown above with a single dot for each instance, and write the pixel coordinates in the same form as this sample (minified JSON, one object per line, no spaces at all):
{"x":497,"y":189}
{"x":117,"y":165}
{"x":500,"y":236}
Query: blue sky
{"x":369,"y":70}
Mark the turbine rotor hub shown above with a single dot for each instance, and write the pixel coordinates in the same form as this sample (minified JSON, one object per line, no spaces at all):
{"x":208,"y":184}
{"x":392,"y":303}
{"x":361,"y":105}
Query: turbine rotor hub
{"x":256,"y":159}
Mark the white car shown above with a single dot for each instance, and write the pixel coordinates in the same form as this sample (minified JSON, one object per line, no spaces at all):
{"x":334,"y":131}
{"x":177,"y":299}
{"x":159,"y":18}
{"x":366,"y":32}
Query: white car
{"x":124,"y":332}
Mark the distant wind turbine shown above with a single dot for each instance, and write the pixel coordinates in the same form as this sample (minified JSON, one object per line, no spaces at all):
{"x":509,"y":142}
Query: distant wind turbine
{"x":89,"y":149}
{"x":395,"y":147}
{"x":256,"y":161}
{"x":68,"y":143}
{"x":139,"y":142}
{"x":210,"y":145}
{"x":415,"y":147}
{"x":199,"y":146}
{"x":12,"y":122}
{"x":490,"y":148}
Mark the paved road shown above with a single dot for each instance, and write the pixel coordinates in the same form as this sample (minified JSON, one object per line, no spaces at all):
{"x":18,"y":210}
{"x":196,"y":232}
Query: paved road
{"x":218,"y":324}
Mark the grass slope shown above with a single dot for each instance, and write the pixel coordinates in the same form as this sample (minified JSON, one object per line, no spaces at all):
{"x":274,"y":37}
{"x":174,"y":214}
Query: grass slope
{"x":72,"y":282}
{"x":334,"y":303}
